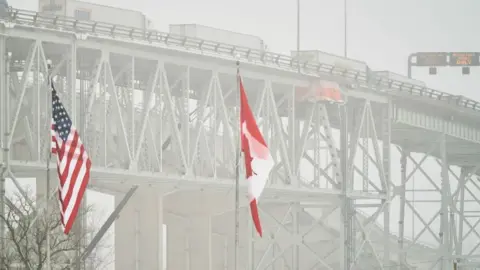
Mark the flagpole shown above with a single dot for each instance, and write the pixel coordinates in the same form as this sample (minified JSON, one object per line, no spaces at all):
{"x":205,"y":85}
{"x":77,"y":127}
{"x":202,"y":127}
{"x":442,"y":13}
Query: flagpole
{"x":49,"y":156}
{"x":237,"y":174}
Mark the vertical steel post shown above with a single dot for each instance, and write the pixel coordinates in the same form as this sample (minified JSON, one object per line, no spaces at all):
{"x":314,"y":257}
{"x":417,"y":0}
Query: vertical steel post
{"x":237,"y":179}
{"x":445,"y":201}
{"x":132,"y":111}
{"x":461,"y":217}
{"x":49,"y":156}
{"x":3,"y":139}
{"x":292,"y":129}
{"x":386,"y":155}
{"x":292,"y":126}
{"x":186,"y":119}
{"x":295,"y":234}
{"x":7,"y":130}
{"x":346,"y":202}
{"x":401,"y":219}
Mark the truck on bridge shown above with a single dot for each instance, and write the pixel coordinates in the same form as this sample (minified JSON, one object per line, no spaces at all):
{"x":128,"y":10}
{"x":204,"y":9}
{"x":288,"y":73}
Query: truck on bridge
{"x":95,"y":12}
{"x":218,"y":35}
{"x":3,"y":8}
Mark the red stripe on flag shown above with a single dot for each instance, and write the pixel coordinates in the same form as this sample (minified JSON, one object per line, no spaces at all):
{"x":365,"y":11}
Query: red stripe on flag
{"x":256,"y":216}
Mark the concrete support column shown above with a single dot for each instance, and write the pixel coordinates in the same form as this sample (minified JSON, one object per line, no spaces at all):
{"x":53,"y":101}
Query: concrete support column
{"x":200,"y":243}
{"x":177,"y":257}
{"x":139,"y":232}
{"x":220,"y":252}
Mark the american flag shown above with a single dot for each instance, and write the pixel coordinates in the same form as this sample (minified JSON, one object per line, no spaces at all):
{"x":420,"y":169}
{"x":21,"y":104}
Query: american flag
{"x":73,"y":163}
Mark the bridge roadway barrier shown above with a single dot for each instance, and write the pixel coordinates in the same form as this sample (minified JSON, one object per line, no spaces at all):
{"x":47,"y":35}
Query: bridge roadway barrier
{"x":170,"y":148}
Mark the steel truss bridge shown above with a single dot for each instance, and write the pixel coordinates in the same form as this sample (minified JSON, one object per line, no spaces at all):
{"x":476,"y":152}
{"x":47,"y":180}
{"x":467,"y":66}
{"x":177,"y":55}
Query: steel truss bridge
{"x":158,"y":114}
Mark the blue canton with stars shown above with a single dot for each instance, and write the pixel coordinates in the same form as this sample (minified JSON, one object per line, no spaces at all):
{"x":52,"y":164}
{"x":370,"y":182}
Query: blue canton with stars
{"x":62,"y":122}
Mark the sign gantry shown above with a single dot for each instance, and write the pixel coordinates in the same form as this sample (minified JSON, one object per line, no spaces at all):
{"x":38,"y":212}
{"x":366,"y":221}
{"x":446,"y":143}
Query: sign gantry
{"x":444,"y":59}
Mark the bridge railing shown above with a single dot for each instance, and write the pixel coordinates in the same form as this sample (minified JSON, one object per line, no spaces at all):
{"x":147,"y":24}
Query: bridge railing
{"x":206,"y":47}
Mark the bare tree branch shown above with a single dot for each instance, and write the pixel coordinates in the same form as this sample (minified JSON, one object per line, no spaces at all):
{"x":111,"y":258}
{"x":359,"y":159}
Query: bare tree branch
{"x":26,"y":237}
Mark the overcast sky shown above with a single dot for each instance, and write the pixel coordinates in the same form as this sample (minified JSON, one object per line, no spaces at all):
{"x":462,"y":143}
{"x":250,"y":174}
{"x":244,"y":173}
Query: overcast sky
{"x":380,"y":32}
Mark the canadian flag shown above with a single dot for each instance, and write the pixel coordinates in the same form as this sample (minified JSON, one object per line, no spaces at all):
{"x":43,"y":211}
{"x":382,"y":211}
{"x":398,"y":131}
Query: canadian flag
{"x":258,"y":160}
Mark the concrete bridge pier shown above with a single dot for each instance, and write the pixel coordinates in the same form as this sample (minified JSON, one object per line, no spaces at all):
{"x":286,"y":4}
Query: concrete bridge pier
{"x":177,"y":242}
{"x":192,"y":241}
{"x":139,"y":232}
{"x":195,"y":245}
{"x":200,"y":242}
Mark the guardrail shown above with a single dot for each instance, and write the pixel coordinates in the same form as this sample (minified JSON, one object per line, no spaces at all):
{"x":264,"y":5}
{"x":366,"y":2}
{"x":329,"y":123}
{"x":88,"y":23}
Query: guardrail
{"x":362,"y":78}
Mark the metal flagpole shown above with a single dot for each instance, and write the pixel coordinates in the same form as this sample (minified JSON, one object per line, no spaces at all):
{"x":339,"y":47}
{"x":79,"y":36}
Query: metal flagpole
{"x":49,"y":156}
{"x":237,"y":180}
{"x":47,"y":216}
{"x":4,"y":100}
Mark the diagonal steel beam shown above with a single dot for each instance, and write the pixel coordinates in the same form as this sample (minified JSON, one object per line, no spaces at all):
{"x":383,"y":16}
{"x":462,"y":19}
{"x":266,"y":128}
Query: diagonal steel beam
{"x":108,"y":223}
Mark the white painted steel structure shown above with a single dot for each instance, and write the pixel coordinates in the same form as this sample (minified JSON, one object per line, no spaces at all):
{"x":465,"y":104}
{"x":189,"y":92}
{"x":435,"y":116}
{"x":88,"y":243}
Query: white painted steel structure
{"x":159,"y":112}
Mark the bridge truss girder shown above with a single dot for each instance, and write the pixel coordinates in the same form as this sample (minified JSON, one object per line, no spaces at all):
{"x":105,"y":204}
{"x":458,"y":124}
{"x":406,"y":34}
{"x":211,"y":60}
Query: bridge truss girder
{"x":456,"y":223}
{"x":189,"y":144}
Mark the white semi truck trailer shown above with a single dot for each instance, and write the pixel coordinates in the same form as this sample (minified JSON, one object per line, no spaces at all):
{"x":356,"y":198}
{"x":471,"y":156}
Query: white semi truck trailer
{"x":95,"y":12}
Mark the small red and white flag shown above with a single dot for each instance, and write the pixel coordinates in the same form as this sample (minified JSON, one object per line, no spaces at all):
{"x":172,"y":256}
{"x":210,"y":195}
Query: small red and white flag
{"x":258,"y":160}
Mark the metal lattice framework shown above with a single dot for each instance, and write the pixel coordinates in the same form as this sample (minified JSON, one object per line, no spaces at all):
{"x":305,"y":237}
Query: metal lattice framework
{"x":159,"y":111}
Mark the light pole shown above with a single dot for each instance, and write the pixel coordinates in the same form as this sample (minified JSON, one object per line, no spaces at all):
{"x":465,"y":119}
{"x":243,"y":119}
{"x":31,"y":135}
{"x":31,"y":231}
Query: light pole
{"x":409,"y":66}
{"x":345,"y":38}
{"x":298,"y":35}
